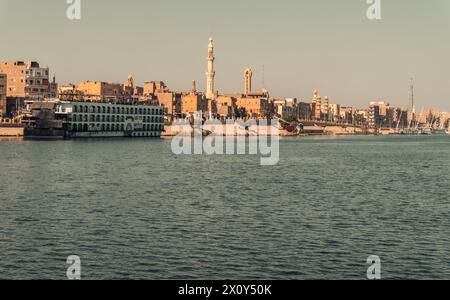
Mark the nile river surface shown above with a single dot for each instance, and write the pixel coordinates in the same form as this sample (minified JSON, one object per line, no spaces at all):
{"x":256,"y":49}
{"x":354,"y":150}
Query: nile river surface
{"x":133,"y":210}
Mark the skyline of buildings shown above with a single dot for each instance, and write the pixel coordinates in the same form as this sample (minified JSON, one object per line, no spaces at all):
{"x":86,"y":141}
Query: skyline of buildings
{"x":28,"y":80}
{"x":350,"y":58}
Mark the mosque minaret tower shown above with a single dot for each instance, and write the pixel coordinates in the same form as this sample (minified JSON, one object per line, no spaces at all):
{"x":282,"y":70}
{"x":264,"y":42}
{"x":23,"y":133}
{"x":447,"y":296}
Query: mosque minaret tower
{"x":210,"y":73}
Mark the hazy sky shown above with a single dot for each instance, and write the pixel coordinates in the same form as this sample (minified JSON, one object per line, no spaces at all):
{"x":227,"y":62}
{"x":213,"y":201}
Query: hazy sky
{"x":304,"y":44}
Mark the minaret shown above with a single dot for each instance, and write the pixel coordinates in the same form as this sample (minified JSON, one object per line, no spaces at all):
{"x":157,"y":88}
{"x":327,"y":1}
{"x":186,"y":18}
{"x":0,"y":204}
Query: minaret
{"x":319,"y":108}
{"x":313,"y":105}
{"x":248,"y":81}
{"x":325,"y":107}
{"x":315,"y":97}
{"x":316,"y":105}
{"x":210,"y":73}
{"x":194,"y":87}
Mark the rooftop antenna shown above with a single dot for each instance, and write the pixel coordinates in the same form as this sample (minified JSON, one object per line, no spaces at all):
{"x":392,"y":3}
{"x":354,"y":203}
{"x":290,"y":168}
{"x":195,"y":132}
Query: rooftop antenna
{"x":413,"y":106}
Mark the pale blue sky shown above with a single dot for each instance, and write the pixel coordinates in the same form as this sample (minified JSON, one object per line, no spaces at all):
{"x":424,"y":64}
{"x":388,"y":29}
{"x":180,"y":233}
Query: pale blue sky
{"x":304,"y":44}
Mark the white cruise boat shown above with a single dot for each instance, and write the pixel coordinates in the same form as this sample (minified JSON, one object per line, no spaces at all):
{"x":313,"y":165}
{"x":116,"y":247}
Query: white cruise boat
{"x":60,"y":119}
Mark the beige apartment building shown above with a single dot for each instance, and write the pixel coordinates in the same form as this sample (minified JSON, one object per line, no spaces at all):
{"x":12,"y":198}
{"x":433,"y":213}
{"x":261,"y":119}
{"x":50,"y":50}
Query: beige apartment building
{"x":152,"y":88}
{"x":192,"y":103}
{"x":97,"y":90}
{"x":171,"y":101}
{"x":67,"y":88}
{"x":226,"y":106}
{"x":26,"y":79}
{"x":255,"y":107}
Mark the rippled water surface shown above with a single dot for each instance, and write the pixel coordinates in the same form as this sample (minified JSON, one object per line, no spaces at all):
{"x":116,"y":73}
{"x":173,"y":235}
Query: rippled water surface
{"x":133,"y":210}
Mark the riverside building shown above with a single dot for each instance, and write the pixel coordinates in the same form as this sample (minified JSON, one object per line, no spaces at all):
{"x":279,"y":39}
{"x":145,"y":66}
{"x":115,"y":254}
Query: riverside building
{"x":26,"y":80}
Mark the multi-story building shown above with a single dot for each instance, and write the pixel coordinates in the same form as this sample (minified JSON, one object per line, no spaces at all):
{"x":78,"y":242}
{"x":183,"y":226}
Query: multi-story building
{"x":193,"y":103}
{"x":254,"y":107}
{"x":304,"y":111}
{"x":360,"y":117}
{"x":26,"y":80}
{"x":346,"y":115}
{"x":67,"y":88}
{"x":374,"y":115}
{"x":402,"y":119}
{"x":326,"y":109}
{"x":152,"y":88}
{"x":226,"y":106}
{"x":335,"y":112}
{"x":99,"y":91}
{"x":2,"y":95}
{"x":171,"y":101}
{"x":286,"y":107}
{"x":380,"y":115}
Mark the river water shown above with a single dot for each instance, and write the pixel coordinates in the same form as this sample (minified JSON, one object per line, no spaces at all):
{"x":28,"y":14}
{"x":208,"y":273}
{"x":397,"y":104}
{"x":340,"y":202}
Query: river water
{"x":130,"y":209}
